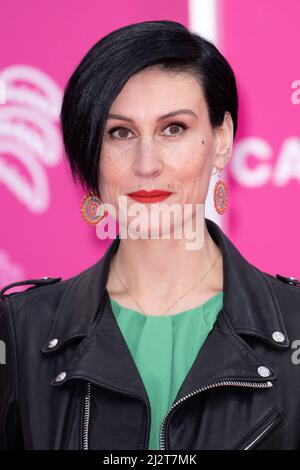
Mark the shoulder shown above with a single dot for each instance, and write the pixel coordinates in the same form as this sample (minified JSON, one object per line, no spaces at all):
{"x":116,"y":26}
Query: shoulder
{"x":286,"y":290}
{"x":34,"y":288}
{"x":44,"y":300}
{"x":33,"y":282}
{"x":285,"y":283}
{"x":37,"y":302}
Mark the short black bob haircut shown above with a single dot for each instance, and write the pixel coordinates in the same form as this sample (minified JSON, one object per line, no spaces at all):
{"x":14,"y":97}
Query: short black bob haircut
{"x":104,"y":70}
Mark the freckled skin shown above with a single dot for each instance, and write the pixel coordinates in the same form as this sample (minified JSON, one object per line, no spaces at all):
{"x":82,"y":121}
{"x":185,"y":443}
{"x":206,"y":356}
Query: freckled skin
{"x":149,"y":154}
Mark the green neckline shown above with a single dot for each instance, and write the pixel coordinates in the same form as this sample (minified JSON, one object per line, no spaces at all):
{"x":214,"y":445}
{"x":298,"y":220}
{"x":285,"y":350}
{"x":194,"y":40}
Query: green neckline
{"x":203,"y":305}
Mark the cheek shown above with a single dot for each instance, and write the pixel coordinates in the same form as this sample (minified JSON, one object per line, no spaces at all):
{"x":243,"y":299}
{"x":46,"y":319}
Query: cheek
{"x":111,"y":169}
{"x":194,"y":161}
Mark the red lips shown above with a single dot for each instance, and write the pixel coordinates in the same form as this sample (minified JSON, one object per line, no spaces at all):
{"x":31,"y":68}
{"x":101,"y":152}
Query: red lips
{"x":150,"y":196}
{"x":154,"y":192}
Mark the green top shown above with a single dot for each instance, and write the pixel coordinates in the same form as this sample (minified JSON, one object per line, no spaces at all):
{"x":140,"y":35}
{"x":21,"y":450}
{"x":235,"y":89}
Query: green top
{"x":164,"y":349}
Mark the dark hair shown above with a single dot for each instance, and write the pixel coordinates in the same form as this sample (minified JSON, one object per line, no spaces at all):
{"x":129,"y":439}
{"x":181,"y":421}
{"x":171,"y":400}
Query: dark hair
{"x":104,"y":70}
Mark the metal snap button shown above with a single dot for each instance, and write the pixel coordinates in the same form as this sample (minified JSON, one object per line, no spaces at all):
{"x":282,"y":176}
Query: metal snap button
{"x":60,"y":377}
{"x":278,"y":336}
{"x":52,"y":343}
{"x":264,"y":371}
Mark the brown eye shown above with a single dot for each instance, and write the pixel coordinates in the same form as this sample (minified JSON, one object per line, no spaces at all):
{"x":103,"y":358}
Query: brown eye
{"x":176,"y":124}
{"x":122,"y":135}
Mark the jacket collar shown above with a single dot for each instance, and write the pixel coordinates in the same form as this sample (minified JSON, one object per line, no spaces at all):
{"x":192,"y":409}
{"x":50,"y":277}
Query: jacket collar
{"x":250,"y":307}
{"x":248,"y":296}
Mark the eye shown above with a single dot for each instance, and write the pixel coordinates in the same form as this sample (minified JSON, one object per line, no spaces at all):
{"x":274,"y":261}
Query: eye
{"x":124,"y":130}
{"x":175,"y":124}
{"x":117,"y":129}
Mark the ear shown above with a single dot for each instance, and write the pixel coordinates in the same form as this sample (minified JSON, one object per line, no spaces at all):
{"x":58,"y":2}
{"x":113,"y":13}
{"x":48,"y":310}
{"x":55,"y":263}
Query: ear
{"x":224,"y":142}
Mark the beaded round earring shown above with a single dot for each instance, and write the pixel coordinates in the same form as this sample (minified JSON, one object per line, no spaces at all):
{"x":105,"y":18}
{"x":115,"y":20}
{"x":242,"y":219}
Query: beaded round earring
{"x":90,"y":209}
{"x":220,"y":195}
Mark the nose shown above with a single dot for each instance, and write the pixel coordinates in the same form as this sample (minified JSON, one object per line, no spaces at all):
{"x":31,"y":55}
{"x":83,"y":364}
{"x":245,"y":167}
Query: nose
{"x":148,"y":161}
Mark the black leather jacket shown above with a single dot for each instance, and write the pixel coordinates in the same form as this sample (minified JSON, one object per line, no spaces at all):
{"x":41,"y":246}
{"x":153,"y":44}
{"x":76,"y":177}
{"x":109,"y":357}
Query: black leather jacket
{"x":70,"y":382}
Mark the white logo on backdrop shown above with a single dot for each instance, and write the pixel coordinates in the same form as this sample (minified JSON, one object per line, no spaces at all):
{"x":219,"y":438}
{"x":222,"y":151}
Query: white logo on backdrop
{"x":2,"y":92}
{"x":279,"y":170}
{"x":29,"y":134}
{"x":295,"y":97}
{"x":10,"y":271}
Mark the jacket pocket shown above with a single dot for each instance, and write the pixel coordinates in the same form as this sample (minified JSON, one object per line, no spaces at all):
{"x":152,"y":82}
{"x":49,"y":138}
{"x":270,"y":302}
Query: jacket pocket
{"x":258,"y":435}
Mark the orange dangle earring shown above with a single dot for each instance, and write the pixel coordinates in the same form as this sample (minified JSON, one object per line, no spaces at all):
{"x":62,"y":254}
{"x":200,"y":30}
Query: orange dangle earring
{"x":90,"y":209}
{"x":220,"y":195}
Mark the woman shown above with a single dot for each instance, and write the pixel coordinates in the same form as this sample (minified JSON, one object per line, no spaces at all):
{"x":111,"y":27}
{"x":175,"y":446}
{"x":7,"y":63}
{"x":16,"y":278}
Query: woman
{"x":156,"y":346}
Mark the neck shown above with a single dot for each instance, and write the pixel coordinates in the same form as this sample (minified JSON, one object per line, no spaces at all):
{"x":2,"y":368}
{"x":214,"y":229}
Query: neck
{"x":166,"y":268}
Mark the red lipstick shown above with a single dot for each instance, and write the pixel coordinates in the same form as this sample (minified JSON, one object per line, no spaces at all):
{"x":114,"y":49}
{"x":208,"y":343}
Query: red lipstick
{"x":156,"y":195}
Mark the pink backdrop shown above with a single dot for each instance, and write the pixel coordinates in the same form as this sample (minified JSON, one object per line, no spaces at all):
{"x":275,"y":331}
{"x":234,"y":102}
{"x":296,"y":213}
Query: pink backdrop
{"x":261,"y":40}
{"x":42,"y":233}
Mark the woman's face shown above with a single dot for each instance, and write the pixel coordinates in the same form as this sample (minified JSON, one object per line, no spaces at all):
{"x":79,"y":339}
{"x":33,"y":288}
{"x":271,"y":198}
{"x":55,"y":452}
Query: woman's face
{"x":175,"y":153}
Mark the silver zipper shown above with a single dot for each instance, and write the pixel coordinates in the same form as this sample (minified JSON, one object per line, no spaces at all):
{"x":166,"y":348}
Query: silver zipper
{"x":235,"y":383}
{"x":86,"y":418}
{"x":259,"y":436}
{"x":87,"y":406}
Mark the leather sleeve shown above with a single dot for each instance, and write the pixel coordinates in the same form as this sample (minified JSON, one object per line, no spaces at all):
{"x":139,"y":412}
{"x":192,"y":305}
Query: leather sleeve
{"x":10,"y":422}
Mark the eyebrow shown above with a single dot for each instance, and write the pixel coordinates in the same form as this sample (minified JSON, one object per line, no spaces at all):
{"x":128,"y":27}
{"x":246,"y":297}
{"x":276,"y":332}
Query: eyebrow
{"x":172,"y":113}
